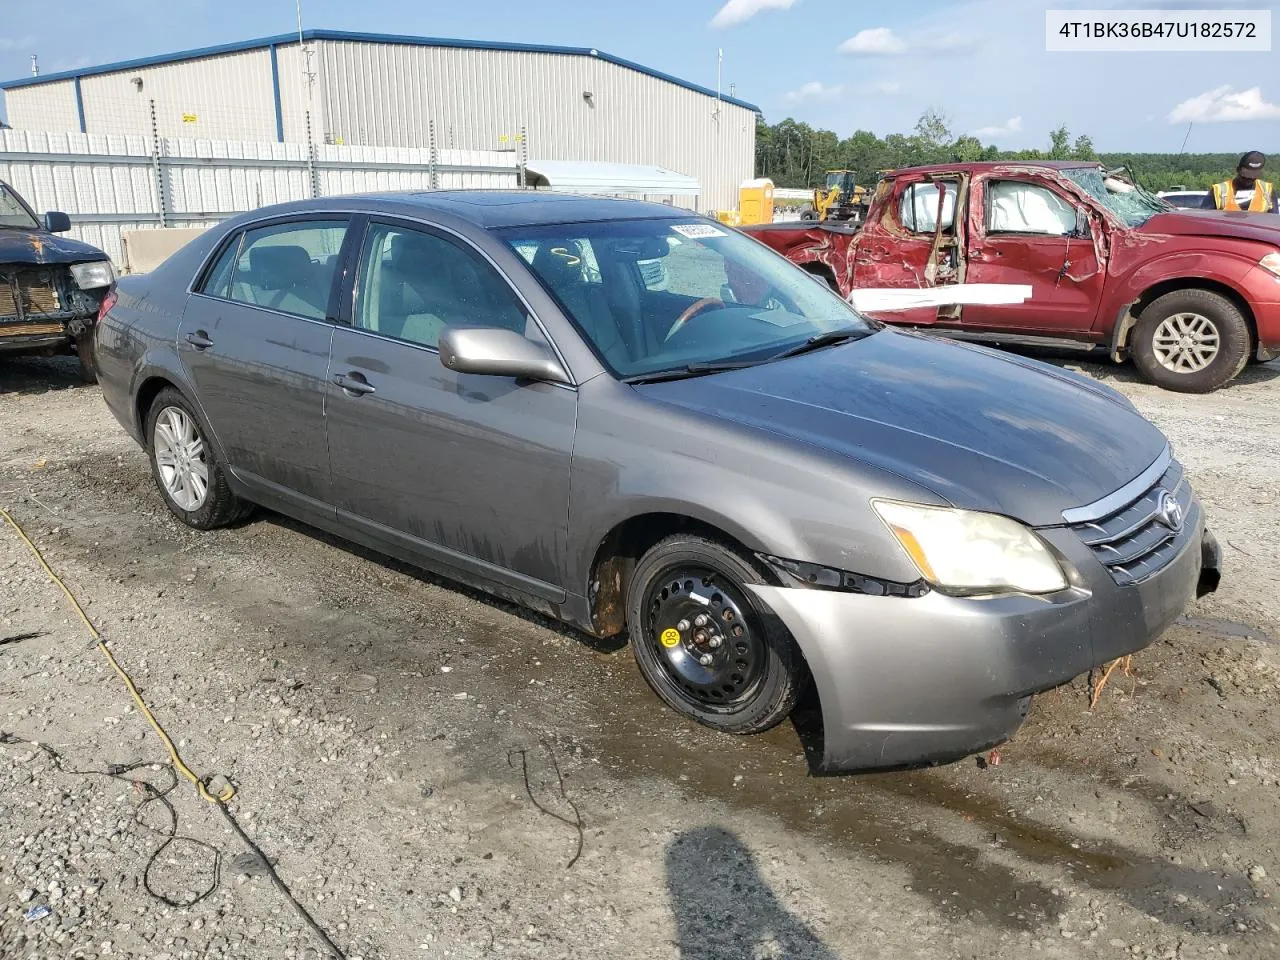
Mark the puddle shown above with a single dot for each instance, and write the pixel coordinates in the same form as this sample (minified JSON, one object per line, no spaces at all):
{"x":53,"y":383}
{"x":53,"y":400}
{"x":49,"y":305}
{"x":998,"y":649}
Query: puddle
{"x":1226,"y":628}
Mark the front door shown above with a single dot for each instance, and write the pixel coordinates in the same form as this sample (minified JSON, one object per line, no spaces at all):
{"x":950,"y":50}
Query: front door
{"x":472,"y":471}
{"x":1025,"y":232}
{"x":255,"y":341}
{"x":915,"y":242}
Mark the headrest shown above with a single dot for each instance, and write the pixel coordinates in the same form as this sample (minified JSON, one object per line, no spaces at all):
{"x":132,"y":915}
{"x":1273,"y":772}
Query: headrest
{"x":278,"y":267}
{"x":558,"y":263}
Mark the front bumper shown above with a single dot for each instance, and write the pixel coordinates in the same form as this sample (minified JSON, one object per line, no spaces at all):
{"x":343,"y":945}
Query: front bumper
{"x":905,"y":681}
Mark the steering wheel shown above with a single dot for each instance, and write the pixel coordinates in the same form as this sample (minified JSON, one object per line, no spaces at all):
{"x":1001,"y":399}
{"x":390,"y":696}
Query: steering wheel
{"x":690,"y":312}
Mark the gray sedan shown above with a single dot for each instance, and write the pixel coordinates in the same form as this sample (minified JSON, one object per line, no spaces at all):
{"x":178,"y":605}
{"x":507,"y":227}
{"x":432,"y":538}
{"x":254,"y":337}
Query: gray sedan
{"x":641,"y":422}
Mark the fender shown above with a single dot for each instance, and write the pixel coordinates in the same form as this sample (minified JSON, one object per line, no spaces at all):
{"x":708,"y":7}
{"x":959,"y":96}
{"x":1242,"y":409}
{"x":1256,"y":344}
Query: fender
{"x":1227,"y":268}
{"x":161,"y":362}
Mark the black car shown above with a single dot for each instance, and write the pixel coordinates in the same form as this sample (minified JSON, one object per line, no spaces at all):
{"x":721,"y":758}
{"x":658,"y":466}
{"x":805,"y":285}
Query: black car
{"x":51,"y":287}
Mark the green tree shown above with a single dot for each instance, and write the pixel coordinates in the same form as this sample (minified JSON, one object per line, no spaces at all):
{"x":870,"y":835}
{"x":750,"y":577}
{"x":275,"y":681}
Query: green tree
{"x":1082,"y":149}
{"x":967,"y":149}
{"x":1060,"y":143}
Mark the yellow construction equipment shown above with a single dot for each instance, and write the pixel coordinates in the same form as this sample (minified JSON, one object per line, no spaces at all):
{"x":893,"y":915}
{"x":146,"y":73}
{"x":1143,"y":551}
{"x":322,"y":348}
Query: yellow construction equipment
{"x":841,"y":199}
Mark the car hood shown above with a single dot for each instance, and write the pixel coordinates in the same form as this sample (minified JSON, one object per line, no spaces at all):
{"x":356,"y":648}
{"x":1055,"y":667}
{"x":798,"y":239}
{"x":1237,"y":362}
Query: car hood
{"x":39,"y":246}
{"x":1263,"y":227}
{"x":983,"y":430}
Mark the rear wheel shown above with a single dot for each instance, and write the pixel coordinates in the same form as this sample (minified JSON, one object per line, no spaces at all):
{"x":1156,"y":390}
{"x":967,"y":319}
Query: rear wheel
{"x":1192,"y":341}
{"x":186,"y":468}
{"x":704,"y":643}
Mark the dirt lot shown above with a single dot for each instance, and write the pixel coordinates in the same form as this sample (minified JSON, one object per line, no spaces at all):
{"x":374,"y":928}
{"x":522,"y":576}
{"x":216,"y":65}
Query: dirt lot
{"x":379,"y":725}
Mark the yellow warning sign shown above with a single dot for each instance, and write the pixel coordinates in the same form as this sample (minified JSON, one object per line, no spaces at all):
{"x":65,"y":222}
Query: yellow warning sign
{"x":670,"y":637}
{"x":188,"y":118}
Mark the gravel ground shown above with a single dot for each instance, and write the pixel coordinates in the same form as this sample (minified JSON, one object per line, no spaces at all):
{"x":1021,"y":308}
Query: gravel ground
{"x":423,"y":765}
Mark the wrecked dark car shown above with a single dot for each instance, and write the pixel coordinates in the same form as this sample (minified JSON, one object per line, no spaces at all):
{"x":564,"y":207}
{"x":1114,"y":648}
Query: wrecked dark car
{"x":51,"y":287}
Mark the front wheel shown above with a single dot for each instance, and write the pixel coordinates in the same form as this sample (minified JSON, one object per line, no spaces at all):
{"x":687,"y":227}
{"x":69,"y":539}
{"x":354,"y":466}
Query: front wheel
{"x":705,"y":645}
{"x":88,"y":357}
{"x":1191,"y":341}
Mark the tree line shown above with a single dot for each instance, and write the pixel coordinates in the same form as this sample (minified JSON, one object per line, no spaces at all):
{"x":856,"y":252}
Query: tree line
{"x":794,"y":154}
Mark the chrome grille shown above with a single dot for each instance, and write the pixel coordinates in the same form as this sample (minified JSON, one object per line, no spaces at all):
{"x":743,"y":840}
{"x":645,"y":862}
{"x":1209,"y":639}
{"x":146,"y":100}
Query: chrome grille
{"x":1136,"y":541}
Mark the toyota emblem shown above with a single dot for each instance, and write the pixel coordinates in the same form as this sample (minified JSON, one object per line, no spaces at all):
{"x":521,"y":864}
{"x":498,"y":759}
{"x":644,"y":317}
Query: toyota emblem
{"x":1169,"y":511}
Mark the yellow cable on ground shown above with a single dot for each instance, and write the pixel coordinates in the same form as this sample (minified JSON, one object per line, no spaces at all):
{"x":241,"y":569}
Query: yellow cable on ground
{"x":222,"y":796}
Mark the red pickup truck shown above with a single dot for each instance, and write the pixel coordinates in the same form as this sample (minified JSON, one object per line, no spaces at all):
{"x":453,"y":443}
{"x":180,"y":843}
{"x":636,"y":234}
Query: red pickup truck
{"x":1190,"y":295}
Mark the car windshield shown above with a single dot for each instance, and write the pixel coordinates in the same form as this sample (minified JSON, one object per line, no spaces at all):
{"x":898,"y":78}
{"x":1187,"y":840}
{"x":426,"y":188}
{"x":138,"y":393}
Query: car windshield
{"x":660,"y":296}
{"x":13,"y":213}
{"x":1128,"y":201}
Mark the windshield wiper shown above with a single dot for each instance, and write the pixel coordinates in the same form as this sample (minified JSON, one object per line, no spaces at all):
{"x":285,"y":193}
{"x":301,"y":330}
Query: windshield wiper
{"x":692,"y":370}
{"x":828,"y":339}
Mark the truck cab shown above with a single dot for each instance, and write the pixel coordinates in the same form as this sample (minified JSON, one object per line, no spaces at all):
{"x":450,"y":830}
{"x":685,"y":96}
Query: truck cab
{"x":1190,"y":296}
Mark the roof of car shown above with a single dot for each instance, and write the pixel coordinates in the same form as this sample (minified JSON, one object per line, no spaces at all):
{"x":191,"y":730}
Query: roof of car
{"x":495,"y":208}
{"x":991,"y":166}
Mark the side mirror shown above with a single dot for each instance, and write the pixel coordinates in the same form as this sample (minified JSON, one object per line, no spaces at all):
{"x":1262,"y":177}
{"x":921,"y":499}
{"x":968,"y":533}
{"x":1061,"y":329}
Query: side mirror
{"x":498,"y":352}
{"x":55,"y":221}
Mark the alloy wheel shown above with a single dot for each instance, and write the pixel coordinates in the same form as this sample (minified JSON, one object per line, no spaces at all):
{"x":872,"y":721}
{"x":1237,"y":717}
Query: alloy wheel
{"x":181,"y":458}
{"x":1186,"y":342}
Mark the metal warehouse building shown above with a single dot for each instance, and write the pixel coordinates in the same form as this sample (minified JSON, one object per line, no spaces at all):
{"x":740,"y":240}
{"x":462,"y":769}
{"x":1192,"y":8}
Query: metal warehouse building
{"x":551,"y":103}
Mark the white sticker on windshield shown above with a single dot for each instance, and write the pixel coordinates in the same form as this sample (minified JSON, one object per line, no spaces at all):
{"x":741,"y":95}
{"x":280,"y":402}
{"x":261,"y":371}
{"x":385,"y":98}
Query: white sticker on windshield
{"x":697,"y":231}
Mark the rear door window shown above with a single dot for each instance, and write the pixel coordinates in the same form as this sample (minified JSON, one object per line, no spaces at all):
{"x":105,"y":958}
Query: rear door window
{"x":289,"y":267}
{"x":918,"y":208}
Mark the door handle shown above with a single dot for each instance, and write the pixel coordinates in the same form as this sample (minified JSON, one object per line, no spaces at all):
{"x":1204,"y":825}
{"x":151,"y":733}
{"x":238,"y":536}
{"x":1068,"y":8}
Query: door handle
{"x":353,"y":383}
{"x":200,"y":340}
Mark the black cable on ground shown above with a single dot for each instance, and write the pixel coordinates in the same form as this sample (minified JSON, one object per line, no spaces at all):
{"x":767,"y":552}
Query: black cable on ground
{"x":576,"y":823}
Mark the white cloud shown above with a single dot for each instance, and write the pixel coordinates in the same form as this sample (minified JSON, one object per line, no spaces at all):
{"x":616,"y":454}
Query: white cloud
{"x":740,"y":11}
{"x":887,"y":87}
{"x":874,"y":42}
{"x":22,"y":43}
{"x":1223,"y":105}
{"x":1008,"y":128}
{"x":814,"y":90}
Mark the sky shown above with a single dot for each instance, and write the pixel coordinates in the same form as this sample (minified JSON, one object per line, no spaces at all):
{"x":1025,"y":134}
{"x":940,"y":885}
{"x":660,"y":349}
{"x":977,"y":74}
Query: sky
{"x":840,"y":64}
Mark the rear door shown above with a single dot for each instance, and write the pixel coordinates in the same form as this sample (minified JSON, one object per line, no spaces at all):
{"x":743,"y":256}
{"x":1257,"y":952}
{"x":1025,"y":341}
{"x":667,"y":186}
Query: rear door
{"x":1023,"y":231}
{"x":255,"y":342}
{"x":469,"y":471}
{"x":915,"y":241}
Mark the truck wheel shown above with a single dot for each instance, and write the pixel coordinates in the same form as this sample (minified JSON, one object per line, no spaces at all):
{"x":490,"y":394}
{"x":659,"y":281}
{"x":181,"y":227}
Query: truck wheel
{"x":703,"y":641}
{"x":88,"y":357}
{"x":808,"y":213}
{"x":1191,"y":341}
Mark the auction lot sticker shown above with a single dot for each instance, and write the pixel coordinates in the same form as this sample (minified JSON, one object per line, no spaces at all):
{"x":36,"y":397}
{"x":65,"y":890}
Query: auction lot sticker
{"x":697,"y":231}
{"x":1157,"y":31}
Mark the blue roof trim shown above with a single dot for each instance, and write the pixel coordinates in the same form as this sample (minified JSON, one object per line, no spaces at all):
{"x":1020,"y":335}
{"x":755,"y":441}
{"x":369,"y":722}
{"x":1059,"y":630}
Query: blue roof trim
{"x":285,"y":38}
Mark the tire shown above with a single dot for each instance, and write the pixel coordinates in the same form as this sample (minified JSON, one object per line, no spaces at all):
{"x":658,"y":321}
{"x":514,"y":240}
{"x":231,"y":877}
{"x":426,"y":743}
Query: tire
{"x":1191,"y":317}
{"x":86,"y":353}
{"x":204,"y":505}
{"x":756,"y":673}
{"x":808,"y":213}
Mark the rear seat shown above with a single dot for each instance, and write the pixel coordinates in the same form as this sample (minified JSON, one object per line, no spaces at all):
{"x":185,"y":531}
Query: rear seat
{"x":284,"y":277}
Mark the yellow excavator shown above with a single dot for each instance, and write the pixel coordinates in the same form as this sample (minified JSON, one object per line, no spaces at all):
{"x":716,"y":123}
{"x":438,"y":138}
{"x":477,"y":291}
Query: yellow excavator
{"x":841,"y":199}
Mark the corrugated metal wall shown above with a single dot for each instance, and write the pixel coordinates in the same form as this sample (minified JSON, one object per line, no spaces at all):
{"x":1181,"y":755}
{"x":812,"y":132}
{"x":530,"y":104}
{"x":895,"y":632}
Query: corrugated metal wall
{"x":227,"y":97}
{"x":108,"y":184}
{"x":49,"y":106}
{"x":389,"y":93}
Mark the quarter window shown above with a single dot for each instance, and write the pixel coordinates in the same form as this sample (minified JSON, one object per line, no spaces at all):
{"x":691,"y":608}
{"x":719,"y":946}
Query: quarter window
{"x":289,"y":267}
{"x":414,"y":284}
{"x":218,"y":281}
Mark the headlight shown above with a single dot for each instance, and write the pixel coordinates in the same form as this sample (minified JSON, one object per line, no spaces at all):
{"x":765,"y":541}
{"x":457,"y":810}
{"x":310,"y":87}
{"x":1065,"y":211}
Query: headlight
{"x":1271,"y":263}
{"x":969,"y":552}
{"x":90,"y":276}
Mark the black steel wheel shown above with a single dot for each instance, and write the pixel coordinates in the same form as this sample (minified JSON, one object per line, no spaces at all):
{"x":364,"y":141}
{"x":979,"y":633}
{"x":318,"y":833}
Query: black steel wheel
{"x":704,"y":643}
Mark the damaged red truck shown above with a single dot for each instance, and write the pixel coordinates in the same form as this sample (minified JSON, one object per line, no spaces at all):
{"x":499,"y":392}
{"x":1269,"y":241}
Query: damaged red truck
{"x":1191,"y":296}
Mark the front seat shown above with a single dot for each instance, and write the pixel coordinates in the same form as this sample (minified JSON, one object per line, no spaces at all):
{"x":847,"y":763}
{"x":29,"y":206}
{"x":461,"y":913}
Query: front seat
{"x":559,"y":266}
